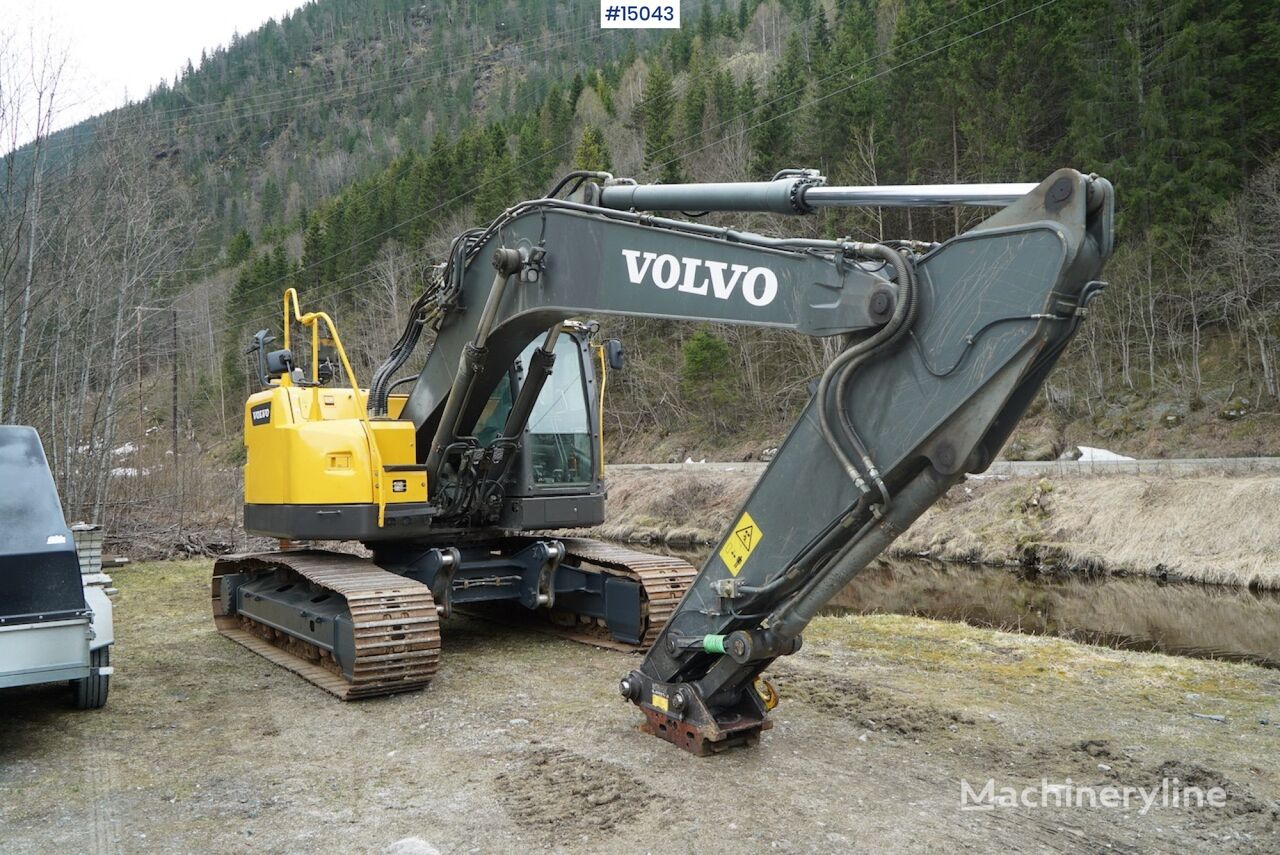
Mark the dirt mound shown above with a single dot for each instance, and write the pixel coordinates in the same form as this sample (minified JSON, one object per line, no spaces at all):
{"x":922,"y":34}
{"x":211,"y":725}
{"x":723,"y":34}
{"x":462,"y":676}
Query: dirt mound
{"x":570,"y":794}
{"x":873,"y":708}
{"x":1182,"y":774}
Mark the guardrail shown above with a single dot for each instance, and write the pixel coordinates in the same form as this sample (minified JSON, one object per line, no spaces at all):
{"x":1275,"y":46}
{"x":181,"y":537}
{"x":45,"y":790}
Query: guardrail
{"x":1028,"y":468}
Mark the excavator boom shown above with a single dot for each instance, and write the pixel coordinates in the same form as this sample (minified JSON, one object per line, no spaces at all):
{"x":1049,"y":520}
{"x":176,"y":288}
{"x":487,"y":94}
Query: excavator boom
{"x":947,"y":346}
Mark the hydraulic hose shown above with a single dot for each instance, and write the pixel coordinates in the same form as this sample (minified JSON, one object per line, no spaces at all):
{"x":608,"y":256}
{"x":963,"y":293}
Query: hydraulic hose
{"x":506,"y":264}
{"x":843,"y":366}
{"x":790,"y":619}
{"x":378,"y":387}
{"x":911,"y":296}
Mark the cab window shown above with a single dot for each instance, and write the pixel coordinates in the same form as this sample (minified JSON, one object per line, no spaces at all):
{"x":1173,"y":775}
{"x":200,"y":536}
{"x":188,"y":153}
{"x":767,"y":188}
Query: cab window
{"x":559,"y":437}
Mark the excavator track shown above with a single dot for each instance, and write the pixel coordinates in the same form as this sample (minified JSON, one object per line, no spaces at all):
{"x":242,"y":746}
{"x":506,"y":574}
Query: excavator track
{"x":664,"y":578}
{"x":394,"y":622}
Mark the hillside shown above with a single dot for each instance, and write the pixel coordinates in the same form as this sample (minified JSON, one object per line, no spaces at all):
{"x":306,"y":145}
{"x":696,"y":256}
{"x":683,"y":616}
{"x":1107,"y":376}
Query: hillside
{"x":339,"y":149}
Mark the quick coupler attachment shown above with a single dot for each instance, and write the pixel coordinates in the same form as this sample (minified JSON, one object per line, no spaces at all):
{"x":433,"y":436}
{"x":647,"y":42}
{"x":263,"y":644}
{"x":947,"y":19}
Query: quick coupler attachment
{"x":677,"y":713}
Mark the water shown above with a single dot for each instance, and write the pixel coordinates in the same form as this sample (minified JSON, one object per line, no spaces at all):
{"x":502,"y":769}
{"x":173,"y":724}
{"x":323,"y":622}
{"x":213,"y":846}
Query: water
{"x":1129,"y":613}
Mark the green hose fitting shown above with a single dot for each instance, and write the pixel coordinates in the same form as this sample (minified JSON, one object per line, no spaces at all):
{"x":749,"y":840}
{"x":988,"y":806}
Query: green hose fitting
{"x":713,"y":643}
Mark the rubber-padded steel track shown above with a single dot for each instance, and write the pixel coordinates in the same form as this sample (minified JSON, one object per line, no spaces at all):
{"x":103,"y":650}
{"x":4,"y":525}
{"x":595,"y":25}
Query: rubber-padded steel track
{"x":397,"y":631}
{"x":664,"y":578}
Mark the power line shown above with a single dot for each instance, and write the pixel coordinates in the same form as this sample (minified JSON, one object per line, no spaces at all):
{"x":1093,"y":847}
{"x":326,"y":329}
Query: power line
{"x":742,"y":131}
{"x":523,"y":103}
{"x":403,"y":75}
{"x":294,"y":100}
{"x":460,"y":196}
{"x":799,"y":89}
{"x":244,"y":318}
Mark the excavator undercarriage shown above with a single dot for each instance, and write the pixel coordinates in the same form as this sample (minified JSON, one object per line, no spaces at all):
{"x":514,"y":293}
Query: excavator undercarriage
{"x":357,"y":630}
{"x":459,"y":489}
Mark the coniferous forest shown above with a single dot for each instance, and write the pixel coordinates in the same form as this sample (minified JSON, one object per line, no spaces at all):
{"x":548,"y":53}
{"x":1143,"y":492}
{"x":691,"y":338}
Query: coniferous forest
{"x":339,"y":149}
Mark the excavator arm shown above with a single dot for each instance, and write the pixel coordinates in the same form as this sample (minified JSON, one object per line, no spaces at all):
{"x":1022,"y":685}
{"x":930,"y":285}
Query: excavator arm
{"x":945,"y":347}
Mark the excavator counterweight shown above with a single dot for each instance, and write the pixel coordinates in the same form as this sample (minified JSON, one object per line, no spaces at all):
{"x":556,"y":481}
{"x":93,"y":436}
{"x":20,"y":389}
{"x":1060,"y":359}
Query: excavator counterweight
{"x":457,"y":487}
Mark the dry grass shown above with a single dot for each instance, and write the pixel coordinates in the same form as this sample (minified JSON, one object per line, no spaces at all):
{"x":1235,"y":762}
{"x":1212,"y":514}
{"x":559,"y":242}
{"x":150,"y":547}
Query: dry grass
{"x":679,"y":508}
{"x":1212,"y":529}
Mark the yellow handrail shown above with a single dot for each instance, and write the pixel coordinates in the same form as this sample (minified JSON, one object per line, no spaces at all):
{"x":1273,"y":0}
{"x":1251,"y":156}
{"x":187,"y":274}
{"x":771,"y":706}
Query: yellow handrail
{"x":312,"y":320}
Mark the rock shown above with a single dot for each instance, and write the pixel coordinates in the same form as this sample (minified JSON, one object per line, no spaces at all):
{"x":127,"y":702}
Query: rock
{"x":1040,"y":452}
{"x":1237,"y":408}
{"x":1220,"y":719}
{"x":1168,"y":415}
{"x":412,"y":846}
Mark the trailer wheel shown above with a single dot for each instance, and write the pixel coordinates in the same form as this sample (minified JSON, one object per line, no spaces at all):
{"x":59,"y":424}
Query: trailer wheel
{"x":91,"y":692}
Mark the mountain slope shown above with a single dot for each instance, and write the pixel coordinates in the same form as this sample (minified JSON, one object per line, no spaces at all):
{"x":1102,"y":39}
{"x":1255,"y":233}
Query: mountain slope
{"x":338,"y":151}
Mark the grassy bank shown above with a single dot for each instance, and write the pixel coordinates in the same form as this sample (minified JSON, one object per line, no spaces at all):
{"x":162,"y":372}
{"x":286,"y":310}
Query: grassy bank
{"x":679,"y":508}
{"x":1215,"y":529}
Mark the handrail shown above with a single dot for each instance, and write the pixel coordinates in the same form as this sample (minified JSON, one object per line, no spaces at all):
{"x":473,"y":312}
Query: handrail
{"x":604,"y":373}
{"x":312,"y":320}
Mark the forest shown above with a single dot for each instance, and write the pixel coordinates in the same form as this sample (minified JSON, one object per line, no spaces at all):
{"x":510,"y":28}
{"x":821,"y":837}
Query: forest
{"x":338,"y":151}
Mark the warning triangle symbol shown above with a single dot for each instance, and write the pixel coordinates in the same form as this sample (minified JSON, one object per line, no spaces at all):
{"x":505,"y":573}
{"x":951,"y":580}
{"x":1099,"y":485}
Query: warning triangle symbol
{"x":745,"y":534}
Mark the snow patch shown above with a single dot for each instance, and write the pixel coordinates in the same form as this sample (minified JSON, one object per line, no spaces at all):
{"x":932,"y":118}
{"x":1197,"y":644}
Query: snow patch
{"x":1088,"y":454}
{"x":128,"y":472}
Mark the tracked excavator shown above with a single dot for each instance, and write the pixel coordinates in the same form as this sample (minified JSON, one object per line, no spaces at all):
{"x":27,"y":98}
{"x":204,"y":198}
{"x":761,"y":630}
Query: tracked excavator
{"x":461,"y":487}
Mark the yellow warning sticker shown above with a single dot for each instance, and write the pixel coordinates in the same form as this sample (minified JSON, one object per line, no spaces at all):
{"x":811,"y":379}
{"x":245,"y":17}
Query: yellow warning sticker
{"x":744,"y":538}
{"x":659,"y":701}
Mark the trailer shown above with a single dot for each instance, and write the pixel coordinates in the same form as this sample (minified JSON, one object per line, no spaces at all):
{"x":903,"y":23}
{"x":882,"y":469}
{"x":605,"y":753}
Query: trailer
{"x":55,"y":605}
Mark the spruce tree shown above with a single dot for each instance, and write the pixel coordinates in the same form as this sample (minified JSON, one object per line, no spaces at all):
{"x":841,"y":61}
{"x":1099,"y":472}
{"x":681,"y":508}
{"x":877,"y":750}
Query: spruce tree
{"x":706,"y":23}
{"x":499,"y":188}
{"x":773,"y":138}
{"x":592,"y":152}
{"x":658,"y":103}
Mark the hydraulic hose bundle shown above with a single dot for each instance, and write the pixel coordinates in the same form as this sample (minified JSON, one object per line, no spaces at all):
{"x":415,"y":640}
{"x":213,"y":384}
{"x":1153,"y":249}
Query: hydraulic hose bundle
{"x":842,"y":368}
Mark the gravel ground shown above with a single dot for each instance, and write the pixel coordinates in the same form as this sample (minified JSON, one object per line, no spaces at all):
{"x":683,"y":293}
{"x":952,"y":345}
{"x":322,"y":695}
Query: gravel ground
{"x":522,"y":745}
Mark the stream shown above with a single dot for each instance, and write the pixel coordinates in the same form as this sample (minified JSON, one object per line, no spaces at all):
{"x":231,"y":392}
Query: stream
{"x":1123,"y":612}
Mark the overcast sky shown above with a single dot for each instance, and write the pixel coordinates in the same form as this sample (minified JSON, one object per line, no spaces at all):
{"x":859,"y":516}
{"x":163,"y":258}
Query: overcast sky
{"x":118,"y":50}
